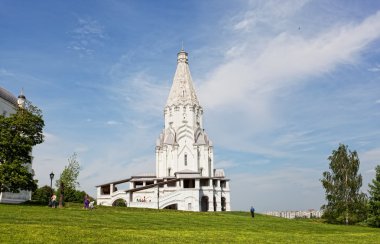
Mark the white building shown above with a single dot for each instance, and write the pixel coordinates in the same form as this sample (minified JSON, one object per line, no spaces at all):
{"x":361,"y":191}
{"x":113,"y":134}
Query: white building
{"x":185,"y":177}
{"x":8,"y":105}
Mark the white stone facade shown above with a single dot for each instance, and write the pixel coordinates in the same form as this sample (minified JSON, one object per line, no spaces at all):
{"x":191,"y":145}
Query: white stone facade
{"x":8,"y":105}
{"x":185,"y":177}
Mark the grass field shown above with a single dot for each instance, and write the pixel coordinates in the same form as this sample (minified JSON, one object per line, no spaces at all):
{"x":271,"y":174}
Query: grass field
{"x":72,"y":224}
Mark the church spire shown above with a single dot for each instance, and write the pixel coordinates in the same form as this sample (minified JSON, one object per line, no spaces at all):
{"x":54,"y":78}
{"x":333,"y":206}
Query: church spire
{"x":21,"y":99}
{"x":182,"y":91}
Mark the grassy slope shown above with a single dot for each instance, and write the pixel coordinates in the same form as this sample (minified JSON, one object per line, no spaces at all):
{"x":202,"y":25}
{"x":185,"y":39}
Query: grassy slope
{"x":36,"y":224}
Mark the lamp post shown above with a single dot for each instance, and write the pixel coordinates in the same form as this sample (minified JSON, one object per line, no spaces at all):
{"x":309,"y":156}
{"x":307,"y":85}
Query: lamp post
{"x":51,"y":180}
{"x":51,"y":186}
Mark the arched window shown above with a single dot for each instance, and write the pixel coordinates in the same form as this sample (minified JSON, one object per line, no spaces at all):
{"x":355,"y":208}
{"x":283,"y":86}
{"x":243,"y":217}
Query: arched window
{"x":185,"y":159}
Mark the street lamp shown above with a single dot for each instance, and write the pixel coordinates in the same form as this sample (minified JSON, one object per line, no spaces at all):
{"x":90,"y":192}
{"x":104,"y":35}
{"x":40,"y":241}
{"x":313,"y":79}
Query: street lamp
{"x":51,"y":180}
{"x":51,"y":186}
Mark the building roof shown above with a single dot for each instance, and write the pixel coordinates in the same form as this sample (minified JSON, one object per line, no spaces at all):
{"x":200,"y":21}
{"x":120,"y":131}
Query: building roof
{"x":6,"y":95}
{"x":182,"y":91}
{"x":151,"y":185}
{"x":115,"y":182}
{"x":187,"y":171}
{"x":145,"y":177}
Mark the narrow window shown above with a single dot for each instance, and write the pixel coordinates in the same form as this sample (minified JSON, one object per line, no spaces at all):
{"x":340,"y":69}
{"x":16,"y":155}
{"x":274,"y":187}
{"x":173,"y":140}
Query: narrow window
{"x":185,"y":159}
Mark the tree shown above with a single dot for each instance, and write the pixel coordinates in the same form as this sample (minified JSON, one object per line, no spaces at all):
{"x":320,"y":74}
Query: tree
{"x":18,"y":134}
{"x":68,"y":178}
{"x":72,"y":195}
{"x":374,"y":200}
{"x":345,"y":204}
{"x":42,"y":195}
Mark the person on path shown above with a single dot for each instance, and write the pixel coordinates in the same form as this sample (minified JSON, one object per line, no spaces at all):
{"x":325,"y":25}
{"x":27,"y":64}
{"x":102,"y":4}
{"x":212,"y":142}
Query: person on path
{"x":252,"y":211}
{"x":53,"y":201}
{"x":86,"y":202}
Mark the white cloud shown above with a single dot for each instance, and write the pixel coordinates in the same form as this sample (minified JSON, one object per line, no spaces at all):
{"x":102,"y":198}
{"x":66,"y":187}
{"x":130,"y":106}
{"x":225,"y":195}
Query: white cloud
{"x":376,"y":68}
{"x":285,"y":60}
{"x":87,"y":36}
{"x":113,"y":122}
{"x":139,"y":92}
{"x":225,"y":164}
{"x":4,"y":72}
{"x":241,"y":95}
{"x":370,"y":158}
{"x":268,"y":12}
{"x":88,"y":26}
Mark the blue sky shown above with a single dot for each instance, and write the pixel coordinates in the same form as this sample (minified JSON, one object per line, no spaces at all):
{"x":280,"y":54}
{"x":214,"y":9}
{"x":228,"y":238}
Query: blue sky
{"x":282,"y":83}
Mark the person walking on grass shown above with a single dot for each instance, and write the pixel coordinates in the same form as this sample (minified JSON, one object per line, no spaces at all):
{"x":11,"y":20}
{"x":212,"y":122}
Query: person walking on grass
{"x":86,"y":202}
{"x":53,"y":201}
{"x":252,"y":211}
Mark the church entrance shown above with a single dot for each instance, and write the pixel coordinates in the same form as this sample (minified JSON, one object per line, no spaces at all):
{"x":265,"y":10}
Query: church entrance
{"x":204,"y":204}
{"x":214,"y":200}
{"x":119,"y":203}
{"x":172,"y":207}
{"x":223,"y":203}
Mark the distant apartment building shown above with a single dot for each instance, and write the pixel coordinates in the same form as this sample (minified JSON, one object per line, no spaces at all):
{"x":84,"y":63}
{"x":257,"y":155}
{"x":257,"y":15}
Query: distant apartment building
{"x":307,"y":214}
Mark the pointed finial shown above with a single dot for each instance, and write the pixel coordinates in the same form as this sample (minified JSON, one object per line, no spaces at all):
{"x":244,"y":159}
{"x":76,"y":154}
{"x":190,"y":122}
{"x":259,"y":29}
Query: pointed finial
{"x":182,"y":46}
{"x":21,"y":94}
{"x":21,"y":99}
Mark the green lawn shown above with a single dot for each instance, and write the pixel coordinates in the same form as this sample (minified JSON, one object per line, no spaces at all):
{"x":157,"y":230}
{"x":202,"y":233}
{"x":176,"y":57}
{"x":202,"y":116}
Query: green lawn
{"x":37,"y":224}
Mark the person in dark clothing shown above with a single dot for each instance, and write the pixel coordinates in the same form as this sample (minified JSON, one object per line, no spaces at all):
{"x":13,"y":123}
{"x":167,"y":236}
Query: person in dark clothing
{"x":252,"y":212}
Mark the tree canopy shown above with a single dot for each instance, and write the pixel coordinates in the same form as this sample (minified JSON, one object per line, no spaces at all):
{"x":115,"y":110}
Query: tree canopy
{"x":374,"y":200}
{"x":18,"y":134}
{"x":42,"y":195}
{"x":345,"y":204}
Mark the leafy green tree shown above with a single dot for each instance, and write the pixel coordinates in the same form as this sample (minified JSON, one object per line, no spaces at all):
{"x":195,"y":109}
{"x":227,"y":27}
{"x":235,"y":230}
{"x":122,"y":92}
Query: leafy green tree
{"x":68,"y":179}
{"x":42,"y":195}
{"x":72,"y":195}
{"x":18,"y":134}
{"x":345,"y":204}
{"x":374,"y":200}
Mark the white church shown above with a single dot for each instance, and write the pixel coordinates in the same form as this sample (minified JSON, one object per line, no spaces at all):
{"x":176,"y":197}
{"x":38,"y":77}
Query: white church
{"x":185,"y":177}
{"x":8,"y":105}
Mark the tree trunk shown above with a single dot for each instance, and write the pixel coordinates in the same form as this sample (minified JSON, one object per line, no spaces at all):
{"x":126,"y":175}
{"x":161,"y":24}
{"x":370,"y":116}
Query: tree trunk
{"x":346,"y":199}
{"x":61,"y":195}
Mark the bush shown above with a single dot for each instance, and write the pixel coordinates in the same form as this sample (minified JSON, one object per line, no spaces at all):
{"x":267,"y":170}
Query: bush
{"x":119,"y":203}
{"x":42,"y":195}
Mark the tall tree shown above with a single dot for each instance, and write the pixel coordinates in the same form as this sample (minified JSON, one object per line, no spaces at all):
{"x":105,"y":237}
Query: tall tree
{"x":69,"y":177}
{"x":345,"y":204}
{"x":18,"y":134}
{"x":374,"y":200}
